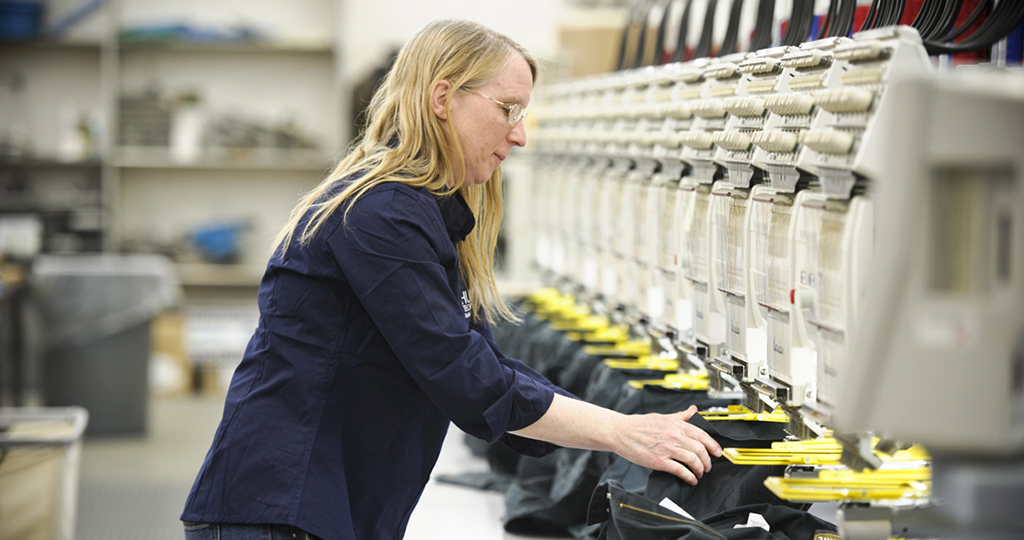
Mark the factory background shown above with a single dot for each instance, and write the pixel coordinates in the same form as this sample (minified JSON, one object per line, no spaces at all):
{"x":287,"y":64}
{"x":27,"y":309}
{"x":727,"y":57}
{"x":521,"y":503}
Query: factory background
{"x":151,"y":150}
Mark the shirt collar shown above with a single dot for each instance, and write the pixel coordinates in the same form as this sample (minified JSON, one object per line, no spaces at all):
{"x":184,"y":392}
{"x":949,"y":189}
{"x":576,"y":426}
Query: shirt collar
{"x":457,"y":216}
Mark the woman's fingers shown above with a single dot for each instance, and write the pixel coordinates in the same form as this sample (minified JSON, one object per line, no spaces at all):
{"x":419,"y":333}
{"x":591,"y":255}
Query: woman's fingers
{"x":706,"y":440}
{"x":677,"y":469}
{"x":670,"y":444}
{"x":685,"y":415}
{"x":698,"y":451}
{"x":691,"y":459}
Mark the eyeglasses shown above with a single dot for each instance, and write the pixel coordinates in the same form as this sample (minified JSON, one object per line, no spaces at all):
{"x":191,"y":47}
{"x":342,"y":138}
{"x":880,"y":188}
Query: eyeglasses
{"x":514,"y":111}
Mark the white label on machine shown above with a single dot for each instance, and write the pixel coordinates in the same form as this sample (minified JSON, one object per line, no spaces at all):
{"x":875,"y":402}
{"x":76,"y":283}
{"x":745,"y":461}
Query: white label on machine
{"x":655,"y":302}
{"x":590,"y":271}
{"x":543,"y":252}
{"x":608,"y":281}
{"x":716,"y":328}
{"x":684,"y":314}
{"x":558,"y":258}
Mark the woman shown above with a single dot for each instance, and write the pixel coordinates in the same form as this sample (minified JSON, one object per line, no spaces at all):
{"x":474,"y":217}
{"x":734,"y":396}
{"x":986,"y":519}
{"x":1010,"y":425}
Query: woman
{"x":375,"y":312}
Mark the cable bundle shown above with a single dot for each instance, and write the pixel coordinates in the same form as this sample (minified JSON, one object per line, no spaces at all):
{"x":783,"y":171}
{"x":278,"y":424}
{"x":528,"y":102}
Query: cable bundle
{"x":801,"y":20}
{"x":936,"y":19}
{"x":934,"y":26}
{"x":684,"y":27}
{"x":659,"y":41}
{"x":936,"y":22}
{"x":632,"y":36}
{"x":732,"y":33}
{"x":884,"y":13}
{"x":705,"y":42}
{"x":762,"y":37}
{"x":839,"y":21}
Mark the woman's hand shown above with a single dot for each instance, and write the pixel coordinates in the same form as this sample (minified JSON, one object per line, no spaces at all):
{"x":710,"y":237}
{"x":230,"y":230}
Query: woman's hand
{"x":666,"y":442}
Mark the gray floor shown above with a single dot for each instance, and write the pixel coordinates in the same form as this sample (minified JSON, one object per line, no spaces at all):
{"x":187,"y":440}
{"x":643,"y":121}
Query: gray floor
{"x":134,"y":488}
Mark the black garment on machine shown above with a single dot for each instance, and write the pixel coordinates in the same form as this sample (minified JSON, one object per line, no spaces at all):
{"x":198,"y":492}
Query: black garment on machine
{"x":723,"y":498}
{"x":631,"y":516}
{"x":551,"y":494}
{"x":726,"y":485}
{"x":650,"y":399}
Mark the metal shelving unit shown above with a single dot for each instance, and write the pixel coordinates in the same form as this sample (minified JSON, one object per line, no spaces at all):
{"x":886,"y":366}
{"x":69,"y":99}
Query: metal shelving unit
{"x":150,"y":190}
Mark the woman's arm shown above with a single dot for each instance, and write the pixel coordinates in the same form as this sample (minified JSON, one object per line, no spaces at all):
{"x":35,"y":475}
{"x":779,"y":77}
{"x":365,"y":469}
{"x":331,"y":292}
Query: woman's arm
{"x":656,"y":441}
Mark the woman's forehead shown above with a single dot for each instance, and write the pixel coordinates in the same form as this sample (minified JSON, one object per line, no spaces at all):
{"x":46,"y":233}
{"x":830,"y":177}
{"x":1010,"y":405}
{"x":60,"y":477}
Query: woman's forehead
{"x":514,"y":82}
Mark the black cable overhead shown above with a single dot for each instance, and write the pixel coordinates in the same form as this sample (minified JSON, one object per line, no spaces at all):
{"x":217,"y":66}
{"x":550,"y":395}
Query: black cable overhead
{"x":997,"y":25}
{"x":842,"y":25}
{"x":705,"y":42}
{"x":801,"y":21}
{"x":947,"y":20}
{"x":884,"y":14}
{"x":629,"y":35}
{"x":684,"y":27}
{"x":732,"y":33}
{"x":886,"y":11}
{"x":830,"y":17}
{"x":924,"y":16}
{"x":659,"y":42}
{"x":762,"y":37}
{"x":932,"y":18}
{"x":978,"y":10}
{"x":851,"y":15}
{"x":624,"y":42}
{"x":899,"y":6}
{"x":870,"y":17}
{"x":894,"y":12}
{"x":641,"y":46}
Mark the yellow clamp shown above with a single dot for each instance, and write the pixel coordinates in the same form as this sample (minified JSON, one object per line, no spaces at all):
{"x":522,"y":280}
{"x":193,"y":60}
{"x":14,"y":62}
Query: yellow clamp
{"x":613,"y":334}
{"x":587,"y":323}
{"x":739,"y":412}
{"x":822,"y":451}
{"x":674,"y":381}
{"x":628,"y":348}
{"x":846,"y":484}
{"x":645,"y":361}
{"x":563,"y":312}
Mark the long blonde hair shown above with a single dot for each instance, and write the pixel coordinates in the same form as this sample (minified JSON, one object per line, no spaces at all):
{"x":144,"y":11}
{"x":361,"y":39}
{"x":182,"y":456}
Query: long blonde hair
{"x":405,"y":142}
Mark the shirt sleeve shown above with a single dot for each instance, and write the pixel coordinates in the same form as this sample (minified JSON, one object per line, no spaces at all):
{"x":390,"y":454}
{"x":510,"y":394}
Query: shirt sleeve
{"x":522,"y":445}
{"x":390,"y":251}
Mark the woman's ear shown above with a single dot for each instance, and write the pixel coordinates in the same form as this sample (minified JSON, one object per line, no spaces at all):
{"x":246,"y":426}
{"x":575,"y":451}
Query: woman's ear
{"x":439,"y":96}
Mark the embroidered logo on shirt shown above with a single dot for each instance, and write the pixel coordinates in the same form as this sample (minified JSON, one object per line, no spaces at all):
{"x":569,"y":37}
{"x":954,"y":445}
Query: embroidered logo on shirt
{"x":467,"y":306}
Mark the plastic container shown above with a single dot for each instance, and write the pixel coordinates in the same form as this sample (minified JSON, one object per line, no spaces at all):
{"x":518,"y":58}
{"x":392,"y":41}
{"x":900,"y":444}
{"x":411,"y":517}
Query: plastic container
{"x":96,"y":312}
{"x":20,"y":21}
{"x":39,"y":468}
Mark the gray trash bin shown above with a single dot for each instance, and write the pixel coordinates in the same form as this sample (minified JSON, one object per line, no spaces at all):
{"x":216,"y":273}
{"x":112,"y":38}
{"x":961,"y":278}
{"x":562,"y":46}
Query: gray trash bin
{"x":96,"y":312}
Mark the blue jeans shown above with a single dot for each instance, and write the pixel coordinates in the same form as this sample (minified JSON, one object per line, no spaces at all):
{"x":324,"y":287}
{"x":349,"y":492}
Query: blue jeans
{"x":228,"y":531}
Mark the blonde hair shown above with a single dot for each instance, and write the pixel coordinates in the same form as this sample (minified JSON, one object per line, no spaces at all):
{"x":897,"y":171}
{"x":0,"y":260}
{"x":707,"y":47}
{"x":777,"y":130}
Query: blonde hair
{"x":405,"y":142}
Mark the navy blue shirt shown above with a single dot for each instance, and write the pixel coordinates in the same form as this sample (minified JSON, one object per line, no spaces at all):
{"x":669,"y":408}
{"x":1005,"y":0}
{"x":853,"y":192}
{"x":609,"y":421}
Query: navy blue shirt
{"x":365,"y":350}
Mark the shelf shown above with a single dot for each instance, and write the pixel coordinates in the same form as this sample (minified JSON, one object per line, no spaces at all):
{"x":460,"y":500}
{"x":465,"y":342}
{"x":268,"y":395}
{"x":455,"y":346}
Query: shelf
{"x":48,"y":163}
{"x":273,"y":159}
{"x":55,"y":45}
{"x":219,"y":275}
{"x":242,"y":47}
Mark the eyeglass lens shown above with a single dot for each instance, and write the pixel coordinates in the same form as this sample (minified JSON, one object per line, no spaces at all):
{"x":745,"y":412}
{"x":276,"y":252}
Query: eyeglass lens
{"x":516,"y":112}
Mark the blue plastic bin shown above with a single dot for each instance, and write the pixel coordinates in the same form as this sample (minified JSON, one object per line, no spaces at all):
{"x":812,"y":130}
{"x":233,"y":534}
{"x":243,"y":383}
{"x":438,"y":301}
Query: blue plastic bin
{"x":20,"y":21}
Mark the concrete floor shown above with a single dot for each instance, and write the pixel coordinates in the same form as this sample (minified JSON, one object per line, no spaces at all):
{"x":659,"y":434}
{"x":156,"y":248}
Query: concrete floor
{"x":135,"y":487}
